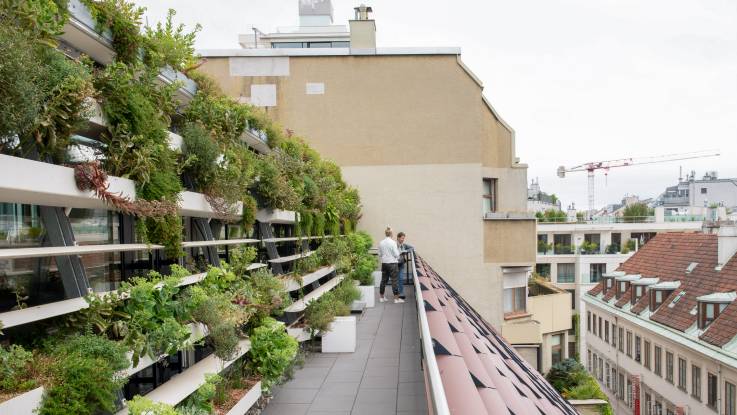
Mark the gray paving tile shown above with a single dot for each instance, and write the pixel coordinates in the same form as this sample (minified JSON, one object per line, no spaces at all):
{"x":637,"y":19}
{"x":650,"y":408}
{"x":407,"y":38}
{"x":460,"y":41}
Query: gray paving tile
{"x":383,"y":409}
{"x":339,"y":389}
{"x":383,"y":362}
{"x":412,"y":403}
{"x":380,"y":370}
{"x":333,"y":403}
{"x":380,"y":382}
{"x":408,"y":376}
{"x":311,"y":412}
{"x":376,"y":396}
{"x":312,"y":373}
{"x":344,"y":376}
{"x":295,"y":396}
{"x":411,"y":389}
{"x":285,"y":409}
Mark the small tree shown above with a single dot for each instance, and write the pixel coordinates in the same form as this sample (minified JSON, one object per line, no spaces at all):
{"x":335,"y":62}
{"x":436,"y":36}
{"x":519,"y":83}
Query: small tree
{"x":636,"y":211}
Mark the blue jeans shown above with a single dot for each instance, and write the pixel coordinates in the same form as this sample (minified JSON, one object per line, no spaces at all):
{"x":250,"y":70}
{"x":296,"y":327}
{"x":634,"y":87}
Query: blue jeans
{"x":402,"y":277}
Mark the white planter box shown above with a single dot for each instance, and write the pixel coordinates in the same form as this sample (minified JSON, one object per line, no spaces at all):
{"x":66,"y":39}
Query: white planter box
{"x":247,"y":401}
{"x":25,"y":404}
{"x":377,"y":278}
{"x":368,"y":295}
{"x":276,"y":216}
{"x":342,"y":336}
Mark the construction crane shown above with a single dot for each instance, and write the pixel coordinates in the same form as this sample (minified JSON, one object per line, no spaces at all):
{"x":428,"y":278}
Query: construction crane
{"x":626,"y":162}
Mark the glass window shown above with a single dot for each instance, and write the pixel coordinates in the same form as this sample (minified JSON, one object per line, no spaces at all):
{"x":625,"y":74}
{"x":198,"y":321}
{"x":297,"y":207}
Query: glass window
{"x":669,"y":367}
{"x":341,"y":44}
{"x":588,"y":360}
{"x":588,"y":321}
{"x":711,"y":390}
{"x":543,"y":270}
{"x":596,"y":271}
{"x":594,"y":324}
{"x":515,"y":300}
{"x":620,"y":392}
{"x":646,"y":354}
{"x":319,"y":45}
{"x":629,"y":343}
{"x":621,"y":339}
{"x":288,"y":45}
{"x":696,"y":382}
{"x":682,"y":373}
{"x":606,"y":331}
{"x":601,"y":327}
{"x":638,"y":348}
{"x":628,"y":398}
{"x":556,"y":350}
{"x":601,"y":369}
{"x":566,"y":273}
{"x":658,"y":361}
{"x":608,"y":376}
{"x":562,"y":244}
{"x":614,"y":335}
{"x":729,"y":399}
{"x":489,"y":195}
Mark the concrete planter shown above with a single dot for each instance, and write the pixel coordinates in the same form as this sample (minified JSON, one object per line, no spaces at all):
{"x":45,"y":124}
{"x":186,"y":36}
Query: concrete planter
{"x":276,"y":216}
{"x":342,"y":336}
{"x":25,"y":404}
{"x":368,"y":295}
{"x":377,"y":278}
{"x":247,"y":401}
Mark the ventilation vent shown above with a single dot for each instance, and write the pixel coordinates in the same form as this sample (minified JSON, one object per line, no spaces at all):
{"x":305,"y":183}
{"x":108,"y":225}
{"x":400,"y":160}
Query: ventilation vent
{"x":428,"y":306}
{"x":452,"y":328}
{"x":439,"y":349}
{"x":476,"y":381}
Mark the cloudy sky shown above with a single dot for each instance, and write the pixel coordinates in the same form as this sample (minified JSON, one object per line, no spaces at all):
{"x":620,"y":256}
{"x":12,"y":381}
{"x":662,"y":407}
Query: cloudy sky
{"x":579,"y":80}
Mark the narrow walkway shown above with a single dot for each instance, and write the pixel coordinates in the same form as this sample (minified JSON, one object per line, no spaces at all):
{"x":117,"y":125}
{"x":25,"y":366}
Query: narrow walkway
{"x":382,"y":377}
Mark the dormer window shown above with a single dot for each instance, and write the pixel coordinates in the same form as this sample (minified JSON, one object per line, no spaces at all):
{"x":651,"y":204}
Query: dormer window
{"x":660,"y":291}
{"x":623,"y":284}
{"x":608,"y":284}
{"x":639,"y":288}
{"x":711,"y":306}
{"x":609,"y":280}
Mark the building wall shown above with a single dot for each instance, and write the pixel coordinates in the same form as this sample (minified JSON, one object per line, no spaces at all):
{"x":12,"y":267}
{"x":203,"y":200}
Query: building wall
{"x":657,"y":386}
{"x":414,"y":135}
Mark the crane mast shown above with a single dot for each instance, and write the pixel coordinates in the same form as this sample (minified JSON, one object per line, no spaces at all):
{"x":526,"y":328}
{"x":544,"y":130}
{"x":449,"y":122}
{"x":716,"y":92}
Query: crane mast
{"x":605,"y":165}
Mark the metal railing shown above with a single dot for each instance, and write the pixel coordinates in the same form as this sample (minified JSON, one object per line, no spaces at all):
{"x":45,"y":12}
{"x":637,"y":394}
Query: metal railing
{"x":437,"y":398}
{"x":622,"y":219}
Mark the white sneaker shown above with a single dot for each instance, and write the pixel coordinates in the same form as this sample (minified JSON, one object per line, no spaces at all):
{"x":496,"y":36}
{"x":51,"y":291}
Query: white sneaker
{"x":398,"y":301}
{"x":382,"y":299}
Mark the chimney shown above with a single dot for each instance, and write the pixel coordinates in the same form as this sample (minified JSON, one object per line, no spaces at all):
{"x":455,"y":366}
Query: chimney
{"x":726,"y":245}
{"x":363,"y":29}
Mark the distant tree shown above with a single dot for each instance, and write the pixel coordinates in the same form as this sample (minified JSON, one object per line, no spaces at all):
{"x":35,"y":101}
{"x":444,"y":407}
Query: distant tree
{"x":554,"y":199}
{"x":636,"y":211}
{"x":552,"y":215}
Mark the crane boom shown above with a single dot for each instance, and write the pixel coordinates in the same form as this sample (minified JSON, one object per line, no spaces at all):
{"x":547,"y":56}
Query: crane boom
{"x":590,"y":167}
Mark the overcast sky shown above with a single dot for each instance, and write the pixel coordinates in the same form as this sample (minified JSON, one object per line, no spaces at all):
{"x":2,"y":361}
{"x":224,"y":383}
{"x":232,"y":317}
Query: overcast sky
{"x":578,"y":80}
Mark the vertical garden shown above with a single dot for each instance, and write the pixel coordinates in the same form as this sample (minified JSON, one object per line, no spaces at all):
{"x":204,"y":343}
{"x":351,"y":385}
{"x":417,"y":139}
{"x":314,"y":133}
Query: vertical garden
{"x":80,"y":361}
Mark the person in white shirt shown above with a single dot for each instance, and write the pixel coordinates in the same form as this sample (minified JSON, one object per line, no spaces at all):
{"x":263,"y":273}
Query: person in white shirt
{"x":389,"y":257}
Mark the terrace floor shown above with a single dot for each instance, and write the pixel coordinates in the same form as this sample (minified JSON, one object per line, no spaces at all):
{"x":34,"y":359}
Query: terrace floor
{"x":382,"y":377}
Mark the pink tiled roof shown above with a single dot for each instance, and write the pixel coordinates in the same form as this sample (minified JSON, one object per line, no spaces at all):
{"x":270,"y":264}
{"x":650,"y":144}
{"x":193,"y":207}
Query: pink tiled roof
{"x":480,"y":371}
{"x":668,"y":256}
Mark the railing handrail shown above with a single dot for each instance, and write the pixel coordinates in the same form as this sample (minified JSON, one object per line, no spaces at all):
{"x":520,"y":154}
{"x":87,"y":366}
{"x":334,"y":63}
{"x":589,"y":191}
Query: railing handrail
{"x":437,"y":397}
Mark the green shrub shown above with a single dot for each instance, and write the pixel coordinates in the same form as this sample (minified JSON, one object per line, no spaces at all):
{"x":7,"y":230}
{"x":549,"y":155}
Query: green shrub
{"x":267,"y":295}
{"x":144,"y":406}
{"x":272,"y":351}
{"x":15,"y":365}
{"x":346,"y":292}
{"x":201,"y":153}
{"x":170,"y":45}
{"x":200,"y":402}
{"x":240,"y":258}
{"x":363,"y":269}
{"x":85,"y":378}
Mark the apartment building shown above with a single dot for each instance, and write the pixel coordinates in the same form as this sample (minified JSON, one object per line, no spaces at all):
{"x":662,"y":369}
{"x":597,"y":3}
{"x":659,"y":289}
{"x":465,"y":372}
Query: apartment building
{"x":694,"y":195}
{"x":413,"y":132}
{"x":661,"y":329}
{"x":543,"y":334}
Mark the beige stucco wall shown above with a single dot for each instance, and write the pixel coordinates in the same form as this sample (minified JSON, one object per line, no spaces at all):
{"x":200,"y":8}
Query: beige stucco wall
{"x":553,"y":311}
{"x":414,"y":135}
{"x":509,"y":241}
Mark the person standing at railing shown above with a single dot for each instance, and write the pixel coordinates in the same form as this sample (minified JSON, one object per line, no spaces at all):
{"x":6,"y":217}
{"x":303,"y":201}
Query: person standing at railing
{"x":404,"y":250}
{"x":389,"y":257}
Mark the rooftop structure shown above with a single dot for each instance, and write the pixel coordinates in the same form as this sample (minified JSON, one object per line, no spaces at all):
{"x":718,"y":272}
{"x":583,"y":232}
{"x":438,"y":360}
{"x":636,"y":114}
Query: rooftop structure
{"x":663,"y":336}
{"x":694,"y":195}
